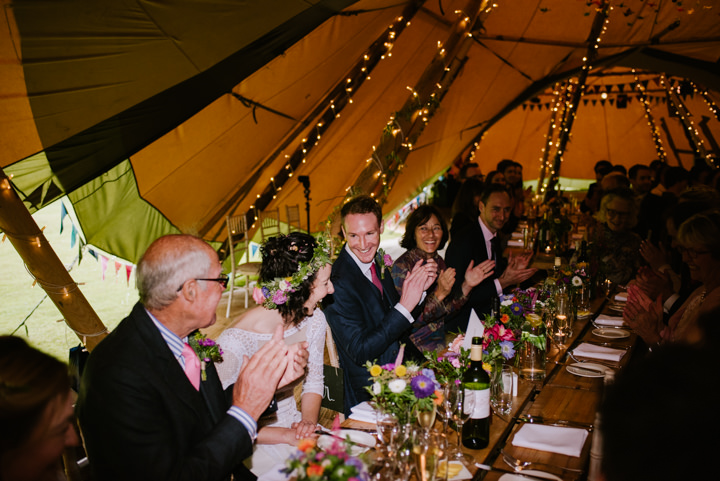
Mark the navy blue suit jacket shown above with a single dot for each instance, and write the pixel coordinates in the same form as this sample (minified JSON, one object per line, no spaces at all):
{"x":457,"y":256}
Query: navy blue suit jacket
{"x":468,"y":243}
{"x":365,"y":325}
{"x":143,"y":420}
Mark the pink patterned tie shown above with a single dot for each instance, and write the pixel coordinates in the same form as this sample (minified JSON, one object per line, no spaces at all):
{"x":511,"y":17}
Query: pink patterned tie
{"x":375,"y":278}
{"x":192,"y":366}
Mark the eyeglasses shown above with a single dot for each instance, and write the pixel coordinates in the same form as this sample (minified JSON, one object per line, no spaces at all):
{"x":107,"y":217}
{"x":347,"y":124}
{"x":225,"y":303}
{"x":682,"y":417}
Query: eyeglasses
{"x":222,"y":280}
{"x":691,"y":253}
{"x":616,"y":213}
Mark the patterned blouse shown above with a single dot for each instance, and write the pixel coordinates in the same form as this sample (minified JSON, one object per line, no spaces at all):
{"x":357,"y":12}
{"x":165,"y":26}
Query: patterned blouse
{"x":428,"y":330}
{"x":617,"y":254}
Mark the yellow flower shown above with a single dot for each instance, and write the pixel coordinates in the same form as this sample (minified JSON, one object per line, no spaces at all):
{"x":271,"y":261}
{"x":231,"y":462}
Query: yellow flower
{"x":400,"y":370}
{"x":375,"y":370}
{"x":487,"y":367}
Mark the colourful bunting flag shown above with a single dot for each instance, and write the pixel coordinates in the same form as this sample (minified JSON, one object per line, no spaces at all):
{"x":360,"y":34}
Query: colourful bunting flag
{"x":63,"y":213}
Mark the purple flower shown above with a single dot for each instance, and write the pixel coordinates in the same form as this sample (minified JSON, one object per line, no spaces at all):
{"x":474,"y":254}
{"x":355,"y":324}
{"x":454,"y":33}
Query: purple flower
{"x":279,"y":298}
{"x":422,"y":386}
{"x":516,"y":309}
{"x":389,"y":366}
{"x":265,"y":292}
{"x":507,"y":349}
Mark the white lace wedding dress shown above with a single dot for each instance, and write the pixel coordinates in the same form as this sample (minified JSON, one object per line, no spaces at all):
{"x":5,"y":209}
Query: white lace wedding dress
{"x":237,"y":342}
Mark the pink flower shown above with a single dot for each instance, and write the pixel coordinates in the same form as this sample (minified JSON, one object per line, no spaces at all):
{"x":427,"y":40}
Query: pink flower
{"x":457,"y":342}
{"x":387,"y":260}
{"x":258,"y":296}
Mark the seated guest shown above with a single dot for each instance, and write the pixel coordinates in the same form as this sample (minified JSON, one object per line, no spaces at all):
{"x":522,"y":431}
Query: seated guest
{"x":699,"y":239}
{"x":425,"y":234}
{"x":650,"y":206}
{"x":465,"y":208}
{"x":659,"y":418}
{"x":148,"y":408}
{"x":294,"y":277}
{"x":615,"y":246}
{"x":591,"y":203}
{"x":367,"y":317}
{"x":36,"y":412}
{"x":478,"y":242}
{"x":495,"y":177}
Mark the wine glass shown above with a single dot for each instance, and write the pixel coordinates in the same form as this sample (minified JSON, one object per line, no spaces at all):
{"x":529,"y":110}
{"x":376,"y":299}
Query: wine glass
{"x":462,"y":407}
{"x":386,"y":431}
{"x":446,"y":409}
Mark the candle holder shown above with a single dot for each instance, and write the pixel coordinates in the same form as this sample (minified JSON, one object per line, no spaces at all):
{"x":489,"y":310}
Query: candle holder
{"x":564,"y":317}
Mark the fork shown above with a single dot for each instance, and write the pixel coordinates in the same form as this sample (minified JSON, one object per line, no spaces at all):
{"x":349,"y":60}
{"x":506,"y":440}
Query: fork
{"x":519,"y":465}
{"x":594,"y":361}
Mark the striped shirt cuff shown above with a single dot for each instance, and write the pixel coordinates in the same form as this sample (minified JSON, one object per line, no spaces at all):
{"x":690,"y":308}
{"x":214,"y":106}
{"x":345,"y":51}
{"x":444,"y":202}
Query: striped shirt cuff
{"x":245,"y":419}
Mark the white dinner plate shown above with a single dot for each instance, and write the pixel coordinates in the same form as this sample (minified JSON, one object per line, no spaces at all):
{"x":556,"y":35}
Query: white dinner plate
{"x":360,"y":437}
{"x":611,"y":332}
{"x":616,"y":306}
{"x":529,"y":472}
{"x":582,"y":369}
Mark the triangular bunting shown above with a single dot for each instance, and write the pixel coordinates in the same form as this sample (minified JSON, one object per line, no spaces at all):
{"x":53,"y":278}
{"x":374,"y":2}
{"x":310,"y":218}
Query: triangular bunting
{"x":128,"y":271}
{"x":93,"y":253}
{"x":103,"y":265}
{"x":63,"y":213}
{"x":73,"y":237}
{"x":253,"y":249}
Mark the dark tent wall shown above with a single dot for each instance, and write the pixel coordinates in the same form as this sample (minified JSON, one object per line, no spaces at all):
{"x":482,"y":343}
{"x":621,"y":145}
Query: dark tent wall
{"x":167,"y":117}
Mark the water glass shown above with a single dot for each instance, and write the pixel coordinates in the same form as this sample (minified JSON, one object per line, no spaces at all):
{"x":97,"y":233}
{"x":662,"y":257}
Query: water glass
{"x":462,"y":407}
{"x":386,"y":430}
{"x":501,"y":388}
{"x":429,"y":449}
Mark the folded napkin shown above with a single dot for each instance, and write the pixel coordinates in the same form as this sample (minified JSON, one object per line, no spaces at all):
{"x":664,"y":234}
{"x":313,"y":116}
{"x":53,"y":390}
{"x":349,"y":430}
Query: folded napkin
{"x":274,"y":474}
{"x":475,"y":328}
{"x":554,"y":439}
{"x":516,"y":235}
{"x":515,"y":243}
{"x":457,"y":472}
{"x":599,"y":352}
{"x":363,"y":412}
{"x":621,"y":297}
{"x":603,"y":320}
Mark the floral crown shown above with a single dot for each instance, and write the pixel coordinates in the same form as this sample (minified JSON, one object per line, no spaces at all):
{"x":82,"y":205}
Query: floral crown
{"x":275,"y":293}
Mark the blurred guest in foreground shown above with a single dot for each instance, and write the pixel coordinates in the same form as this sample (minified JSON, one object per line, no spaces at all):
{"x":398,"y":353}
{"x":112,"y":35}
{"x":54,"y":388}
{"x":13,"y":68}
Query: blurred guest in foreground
{"x":36,"y":413}
{"x":659,"y":420}
{"x":591,"y":203}
{"x":615,"y":251}
{"x":425,"y":234}
{"x":465,"y":208}
{"x":699,"y":239}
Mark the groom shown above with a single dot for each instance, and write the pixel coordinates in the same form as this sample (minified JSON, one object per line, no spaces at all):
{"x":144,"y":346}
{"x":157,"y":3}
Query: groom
{"x":145,"y":410}
{"x":366,"y":315}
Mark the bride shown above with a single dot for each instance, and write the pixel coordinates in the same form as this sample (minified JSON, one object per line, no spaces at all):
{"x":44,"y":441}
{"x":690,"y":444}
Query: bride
{"x":294,"y":277}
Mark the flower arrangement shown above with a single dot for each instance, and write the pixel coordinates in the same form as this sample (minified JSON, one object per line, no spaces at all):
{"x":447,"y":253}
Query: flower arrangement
{"x":574,"y":276}
{"x":206,"y":349}
{"x":333,"y":464}
{"x":503,"y":336}
{"x":387,"y":261}
{"x":275,"y":293}
{"x":449,"y":365}
{"x":403,"y":389}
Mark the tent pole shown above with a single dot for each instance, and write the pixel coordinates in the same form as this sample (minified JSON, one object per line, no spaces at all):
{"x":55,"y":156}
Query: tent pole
{"x":44,"y":265}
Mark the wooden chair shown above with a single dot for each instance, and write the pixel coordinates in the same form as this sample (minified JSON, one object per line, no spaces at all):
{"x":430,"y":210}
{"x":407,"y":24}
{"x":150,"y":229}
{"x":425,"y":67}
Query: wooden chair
{"x":293,"y":217}
{"x":270,"y":224}
{"x":237,"y":226}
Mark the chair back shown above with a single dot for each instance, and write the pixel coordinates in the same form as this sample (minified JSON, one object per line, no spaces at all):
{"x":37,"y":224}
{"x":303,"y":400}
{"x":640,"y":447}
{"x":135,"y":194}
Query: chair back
{"x":237,"y":226}
{"x":293,"y":217}
{"x":270,"y":224}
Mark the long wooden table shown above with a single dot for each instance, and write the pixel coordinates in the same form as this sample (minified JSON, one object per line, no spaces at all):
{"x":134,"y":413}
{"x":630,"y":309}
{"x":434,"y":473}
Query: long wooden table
{"x":561,"y":395}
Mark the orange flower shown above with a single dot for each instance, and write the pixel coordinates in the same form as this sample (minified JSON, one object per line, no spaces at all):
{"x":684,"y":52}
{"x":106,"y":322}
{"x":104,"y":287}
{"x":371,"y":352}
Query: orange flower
{"x":314,"y":470}
{"x":438,"y":398}
{"x":504,"y":318}
{"x":306,"y":444}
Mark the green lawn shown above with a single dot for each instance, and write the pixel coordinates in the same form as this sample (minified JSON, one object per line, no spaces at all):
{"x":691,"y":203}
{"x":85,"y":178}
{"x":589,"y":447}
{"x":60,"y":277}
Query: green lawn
{"x":111,"y":298}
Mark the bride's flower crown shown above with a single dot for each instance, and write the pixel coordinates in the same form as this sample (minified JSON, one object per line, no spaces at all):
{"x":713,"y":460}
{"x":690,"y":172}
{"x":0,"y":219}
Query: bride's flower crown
{"x":275,"y":292}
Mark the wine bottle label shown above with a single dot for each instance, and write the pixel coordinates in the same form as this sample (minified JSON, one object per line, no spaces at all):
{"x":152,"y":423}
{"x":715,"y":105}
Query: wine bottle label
{"x":480,"y":409}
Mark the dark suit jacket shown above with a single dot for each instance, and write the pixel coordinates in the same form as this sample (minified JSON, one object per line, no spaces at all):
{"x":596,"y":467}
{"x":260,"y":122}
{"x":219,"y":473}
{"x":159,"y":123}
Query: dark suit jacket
{"x":365,"y":326}
{"x":466,"y":244}
{"x":143,"y":420}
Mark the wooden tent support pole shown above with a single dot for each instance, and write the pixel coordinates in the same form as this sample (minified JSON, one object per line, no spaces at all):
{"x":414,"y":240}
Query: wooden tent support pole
{"x":44,"y":265}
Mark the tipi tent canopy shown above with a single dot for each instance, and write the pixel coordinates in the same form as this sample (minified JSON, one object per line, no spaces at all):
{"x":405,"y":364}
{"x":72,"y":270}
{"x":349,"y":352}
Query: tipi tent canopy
{"x":163,"y":117}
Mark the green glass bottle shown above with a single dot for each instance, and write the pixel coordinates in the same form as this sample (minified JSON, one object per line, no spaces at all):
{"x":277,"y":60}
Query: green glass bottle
{"x":476,"y":385}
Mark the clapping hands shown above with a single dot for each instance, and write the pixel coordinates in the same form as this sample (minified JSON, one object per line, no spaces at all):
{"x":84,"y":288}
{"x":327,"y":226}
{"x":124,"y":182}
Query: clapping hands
{"x":418,"y":280}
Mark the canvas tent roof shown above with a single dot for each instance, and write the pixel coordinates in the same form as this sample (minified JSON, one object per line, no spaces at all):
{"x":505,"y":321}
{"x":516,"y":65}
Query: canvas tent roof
{"x":160,"y":118}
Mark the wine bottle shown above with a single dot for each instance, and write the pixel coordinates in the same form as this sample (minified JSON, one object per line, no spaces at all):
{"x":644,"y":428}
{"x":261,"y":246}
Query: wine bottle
{"x":476,"y":385}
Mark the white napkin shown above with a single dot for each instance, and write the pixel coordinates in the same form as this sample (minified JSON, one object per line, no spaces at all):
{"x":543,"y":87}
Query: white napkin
{"x":515,"y":243}
{"x":274,"y":474}
{"x":463,"y":474}
{"x":621,"y":297}
{"x":599,"y":352}
{"x":363,"y":412}
{"x":554,"y":439}
{"x":474,"y":329}
{"x":516,"y":235}
{"x":603,"y":320}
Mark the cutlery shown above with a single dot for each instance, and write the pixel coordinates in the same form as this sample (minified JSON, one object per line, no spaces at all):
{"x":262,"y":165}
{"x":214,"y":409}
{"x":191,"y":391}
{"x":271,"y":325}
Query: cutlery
{"x":593,"y":361}
{"x":340,"y":438}
{"x":519,"y":465}
{"x":486,"y":467}
{"x":528,"y":418}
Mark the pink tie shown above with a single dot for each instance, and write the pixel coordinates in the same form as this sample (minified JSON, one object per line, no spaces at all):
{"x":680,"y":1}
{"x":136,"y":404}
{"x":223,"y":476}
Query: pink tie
{"x":375,"y":278}
{"x":192,"y":366}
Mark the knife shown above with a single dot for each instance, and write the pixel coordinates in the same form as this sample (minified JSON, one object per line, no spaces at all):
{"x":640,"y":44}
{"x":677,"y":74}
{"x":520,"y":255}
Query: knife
{"x":587,"y":370}
{"x":527,"y":418}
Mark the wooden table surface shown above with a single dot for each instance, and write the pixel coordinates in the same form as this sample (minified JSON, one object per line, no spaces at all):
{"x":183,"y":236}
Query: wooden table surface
{"x":561,"y":395}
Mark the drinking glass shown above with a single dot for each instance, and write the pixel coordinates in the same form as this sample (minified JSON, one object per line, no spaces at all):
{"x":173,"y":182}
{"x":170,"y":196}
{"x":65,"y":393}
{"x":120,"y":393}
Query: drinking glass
{"x":429,"y":449}
{"x":462,"y":407}
{"x":445,"y":409}
{"x":501,"y":387}
{"x":386,"y":429}
{"x":583,"y":300}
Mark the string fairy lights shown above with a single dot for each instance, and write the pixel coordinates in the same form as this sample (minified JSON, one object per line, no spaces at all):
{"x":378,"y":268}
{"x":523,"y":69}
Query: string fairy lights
{"x":654,"y":130}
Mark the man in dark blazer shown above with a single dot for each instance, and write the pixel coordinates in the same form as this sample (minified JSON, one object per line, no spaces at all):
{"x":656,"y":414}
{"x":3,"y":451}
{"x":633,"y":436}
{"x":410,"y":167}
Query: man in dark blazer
{"x":367,"y":317}
{"x":142,"y":416}
{"x":478,"y":241}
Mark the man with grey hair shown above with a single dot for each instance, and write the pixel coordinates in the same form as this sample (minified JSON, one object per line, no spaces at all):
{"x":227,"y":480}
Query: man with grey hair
{"x":145,"y":409}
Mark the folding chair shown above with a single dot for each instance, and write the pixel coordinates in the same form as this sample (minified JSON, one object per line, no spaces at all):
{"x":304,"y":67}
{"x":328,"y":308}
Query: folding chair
{"x":237,"y":226}
{"x":293,"y":217}
{"x":270,"y":224}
